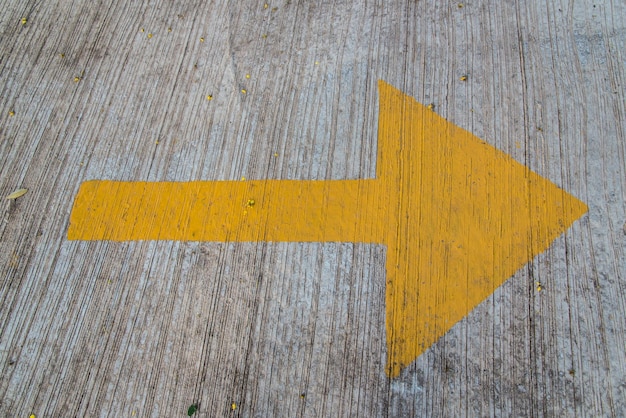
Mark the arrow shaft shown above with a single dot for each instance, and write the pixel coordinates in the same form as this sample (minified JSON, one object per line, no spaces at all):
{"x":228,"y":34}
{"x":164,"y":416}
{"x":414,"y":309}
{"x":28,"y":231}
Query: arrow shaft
{"x":266,"y":210}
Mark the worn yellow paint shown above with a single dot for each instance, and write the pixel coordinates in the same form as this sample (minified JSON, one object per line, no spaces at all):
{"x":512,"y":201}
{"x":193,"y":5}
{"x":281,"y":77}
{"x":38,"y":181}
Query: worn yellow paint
{"x":458,"y":217}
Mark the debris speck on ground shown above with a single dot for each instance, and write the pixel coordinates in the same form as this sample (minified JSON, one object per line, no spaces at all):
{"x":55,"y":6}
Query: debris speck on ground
{"x":16,"y":194}
{"x":192,"y":409}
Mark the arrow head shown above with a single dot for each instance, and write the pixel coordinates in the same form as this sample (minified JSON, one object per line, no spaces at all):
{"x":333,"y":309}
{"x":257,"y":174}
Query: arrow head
{"x":466,"y":216}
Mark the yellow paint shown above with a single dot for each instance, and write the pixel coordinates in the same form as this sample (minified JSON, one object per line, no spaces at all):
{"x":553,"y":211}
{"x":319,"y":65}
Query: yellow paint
{"x":457,"y":216}
{"x":468,"y":216}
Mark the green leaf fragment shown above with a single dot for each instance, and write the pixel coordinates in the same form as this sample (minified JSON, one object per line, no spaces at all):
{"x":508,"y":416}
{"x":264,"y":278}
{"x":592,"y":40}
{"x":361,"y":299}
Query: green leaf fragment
{"x":16,"y":194}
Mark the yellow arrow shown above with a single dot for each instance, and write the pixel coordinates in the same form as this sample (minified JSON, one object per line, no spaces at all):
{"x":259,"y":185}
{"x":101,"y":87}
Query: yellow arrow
{"x":458,"y":217}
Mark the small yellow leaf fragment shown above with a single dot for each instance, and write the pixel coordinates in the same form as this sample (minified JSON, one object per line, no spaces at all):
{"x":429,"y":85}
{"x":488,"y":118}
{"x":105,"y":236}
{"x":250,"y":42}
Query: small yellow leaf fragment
{"x":247,"y":75}
{"x":149,"y":36}
{"x":317,"y":63}
{"x":209,"y":97}
{"x":265,"y":6}
{"x":142,"y":30}
{"x":14,"y":260}
{"x":264,"y":36}
{"x":233,"y":406}
{"x":463,"y":78}
{"x":431,"y":106}
{"x":539,"y":286}
{"x":32,"y":416}
{"x":62,"y":55}
{"x":251,"y":203}
{"x":16,"y":194}
{"x":244,"y":91}
{"x":169,"y":29}
{"x":201,"y":39}
{"x":11,"y":113}
{"x":460,"y":5}
{"x":76,"y":79}
{"x":275,"y":154}
{"x":243,"y":178}
{"x":24,"y":21}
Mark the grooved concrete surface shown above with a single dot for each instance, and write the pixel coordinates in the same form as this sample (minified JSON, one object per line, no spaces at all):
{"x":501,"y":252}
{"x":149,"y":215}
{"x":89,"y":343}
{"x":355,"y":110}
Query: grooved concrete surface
{"x":219,"y":90}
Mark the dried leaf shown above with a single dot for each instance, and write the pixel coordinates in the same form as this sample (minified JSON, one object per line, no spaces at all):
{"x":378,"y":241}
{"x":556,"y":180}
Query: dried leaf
{"x":16,"y":194}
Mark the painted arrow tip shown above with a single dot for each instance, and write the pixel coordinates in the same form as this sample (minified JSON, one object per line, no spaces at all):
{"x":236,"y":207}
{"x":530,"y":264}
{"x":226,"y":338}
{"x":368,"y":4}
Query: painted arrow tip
{"x":469,"y":217}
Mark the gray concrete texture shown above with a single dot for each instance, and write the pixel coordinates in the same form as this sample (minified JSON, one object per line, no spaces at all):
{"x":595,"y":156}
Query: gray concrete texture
{"x":118,"y":90}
